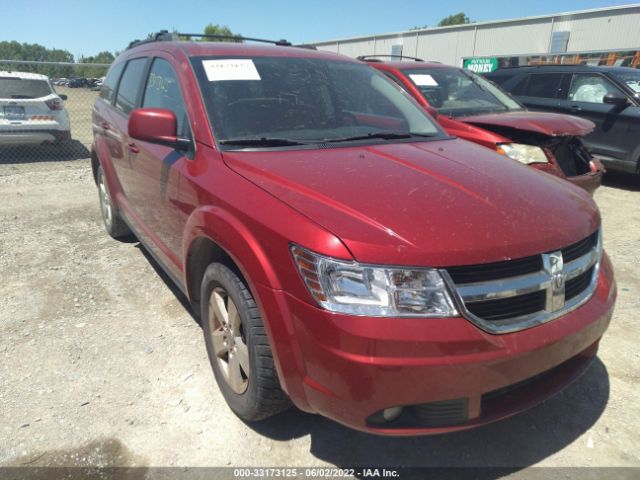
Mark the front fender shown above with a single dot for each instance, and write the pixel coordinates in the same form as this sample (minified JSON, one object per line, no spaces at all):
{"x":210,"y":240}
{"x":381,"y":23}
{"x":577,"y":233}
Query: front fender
{"x":247,"y":253}
{"x":238,"y":242}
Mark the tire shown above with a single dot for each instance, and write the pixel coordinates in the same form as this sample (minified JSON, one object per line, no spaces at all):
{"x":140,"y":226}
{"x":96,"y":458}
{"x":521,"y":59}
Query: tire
{"x":113,"y":222}
{"x":237,"y":346}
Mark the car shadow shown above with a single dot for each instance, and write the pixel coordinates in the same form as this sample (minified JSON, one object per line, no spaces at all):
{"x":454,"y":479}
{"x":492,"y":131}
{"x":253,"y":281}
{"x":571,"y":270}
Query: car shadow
{"x":101,"y":458}
{"x":625,"y":181}
{"x":171,"y":285}
{"x":72,"y":150}
{"x":512,"y":444}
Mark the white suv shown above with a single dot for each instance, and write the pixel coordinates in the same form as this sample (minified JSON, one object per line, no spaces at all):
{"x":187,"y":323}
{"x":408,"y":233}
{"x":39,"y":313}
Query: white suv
{"x":30,"y":110}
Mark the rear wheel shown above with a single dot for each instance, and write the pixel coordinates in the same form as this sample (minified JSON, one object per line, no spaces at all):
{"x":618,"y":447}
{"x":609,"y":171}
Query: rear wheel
{"x":113,"y":222}
{"x":238,"y":348}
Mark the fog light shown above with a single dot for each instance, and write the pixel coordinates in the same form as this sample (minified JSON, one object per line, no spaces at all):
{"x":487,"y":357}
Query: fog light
{"x":390,"y":414}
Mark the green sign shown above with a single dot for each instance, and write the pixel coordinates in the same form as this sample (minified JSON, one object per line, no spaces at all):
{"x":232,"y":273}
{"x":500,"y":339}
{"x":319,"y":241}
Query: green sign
{"x":481,"y":65}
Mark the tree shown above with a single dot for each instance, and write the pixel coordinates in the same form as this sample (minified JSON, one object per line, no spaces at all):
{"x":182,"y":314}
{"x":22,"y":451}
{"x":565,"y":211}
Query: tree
{"x":35,"y":52}
{"x":210,"y":29}
{"x":95,"y":72}
{"x":456,"y":19}
{"x":419,"y":28}
{"x":216,"y":29}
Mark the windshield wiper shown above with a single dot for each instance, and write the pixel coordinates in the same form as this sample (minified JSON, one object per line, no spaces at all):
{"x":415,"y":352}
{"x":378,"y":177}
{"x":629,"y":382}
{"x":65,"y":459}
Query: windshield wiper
{"x":262,"y":142}
{"x":382,"y":135}
{"x":22,"y":97}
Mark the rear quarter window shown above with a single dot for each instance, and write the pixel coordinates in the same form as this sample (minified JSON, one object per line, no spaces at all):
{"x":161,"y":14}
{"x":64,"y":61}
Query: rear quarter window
{"x":543,"y":85}
{"x":108,"y":90}
{"x":130,"y":85}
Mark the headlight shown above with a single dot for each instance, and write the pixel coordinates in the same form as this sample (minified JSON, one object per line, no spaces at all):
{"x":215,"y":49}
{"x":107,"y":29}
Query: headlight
{"x":358,"y":289}
{"x":523,"y":153}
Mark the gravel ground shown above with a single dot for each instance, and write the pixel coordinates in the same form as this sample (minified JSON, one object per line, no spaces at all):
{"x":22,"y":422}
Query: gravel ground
{"x":102,"y":364}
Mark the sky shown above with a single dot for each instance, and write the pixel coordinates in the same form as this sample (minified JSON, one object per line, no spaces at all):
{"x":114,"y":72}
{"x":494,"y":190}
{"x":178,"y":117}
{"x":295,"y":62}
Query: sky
{"x":86,"y":27}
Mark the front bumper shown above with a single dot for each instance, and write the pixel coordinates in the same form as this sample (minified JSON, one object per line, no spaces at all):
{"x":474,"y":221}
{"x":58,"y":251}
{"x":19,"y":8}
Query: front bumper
{"x":352,"y":368}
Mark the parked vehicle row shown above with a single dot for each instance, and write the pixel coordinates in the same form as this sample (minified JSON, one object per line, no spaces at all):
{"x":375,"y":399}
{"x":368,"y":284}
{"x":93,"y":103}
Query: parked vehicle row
{"x":344,"y":252}
{"x":607,"y":96}
{"x":470,"y":107}
{"x":31,"y":112}
{"x":79,"y":82}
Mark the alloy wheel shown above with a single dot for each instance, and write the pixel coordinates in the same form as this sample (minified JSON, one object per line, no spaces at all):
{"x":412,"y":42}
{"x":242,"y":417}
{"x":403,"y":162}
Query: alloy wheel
{"x":105,"y":200}
{"x":229,"y":341}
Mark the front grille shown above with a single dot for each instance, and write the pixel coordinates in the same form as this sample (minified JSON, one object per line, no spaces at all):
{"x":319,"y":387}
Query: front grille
{"x":508,"y":307}
{"x":495,"y":271}
{"x":516,"y":294}
{"x":578,"y":284}
{"x":580,"y":248}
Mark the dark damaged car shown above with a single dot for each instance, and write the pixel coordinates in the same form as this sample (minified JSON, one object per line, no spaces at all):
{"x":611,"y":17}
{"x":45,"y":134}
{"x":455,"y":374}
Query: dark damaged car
{"x":470,"y":107}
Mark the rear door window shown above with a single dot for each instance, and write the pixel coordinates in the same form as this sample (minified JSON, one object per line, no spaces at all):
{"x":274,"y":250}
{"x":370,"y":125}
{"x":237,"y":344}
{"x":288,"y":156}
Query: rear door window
{"x":500,"y":79}
{"x":108,"y":90}
{"x":129,"y":89}
{"x":544,"y":85}
{"x":510,"y":82}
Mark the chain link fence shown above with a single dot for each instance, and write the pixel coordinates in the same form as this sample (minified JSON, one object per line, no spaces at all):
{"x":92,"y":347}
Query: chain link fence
{"x":45,"y":110}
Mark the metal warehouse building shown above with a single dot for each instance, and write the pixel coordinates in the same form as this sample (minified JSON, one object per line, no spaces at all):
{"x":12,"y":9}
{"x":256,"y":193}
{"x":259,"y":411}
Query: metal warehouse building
{"x":607,"y":36}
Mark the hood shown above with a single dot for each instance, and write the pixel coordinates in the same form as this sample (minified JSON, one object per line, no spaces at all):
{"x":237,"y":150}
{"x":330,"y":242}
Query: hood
{"x":552,"y":124}
{"x":439,"y":203}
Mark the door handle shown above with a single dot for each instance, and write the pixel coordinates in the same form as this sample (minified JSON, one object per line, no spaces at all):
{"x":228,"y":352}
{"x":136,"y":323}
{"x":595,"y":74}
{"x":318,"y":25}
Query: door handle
{"x":105,"y":125}
{"x":575,"y":109}
{"x":133,"y":148}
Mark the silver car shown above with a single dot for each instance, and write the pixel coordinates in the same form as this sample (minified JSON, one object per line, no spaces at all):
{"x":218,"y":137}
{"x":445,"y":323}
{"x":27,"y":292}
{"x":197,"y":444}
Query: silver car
{"x":30,"y":110}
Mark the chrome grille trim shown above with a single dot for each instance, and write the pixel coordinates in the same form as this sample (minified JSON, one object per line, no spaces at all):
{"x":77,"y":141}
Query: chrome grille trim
{"x":504,"y":288}
{"x":552,"y":278}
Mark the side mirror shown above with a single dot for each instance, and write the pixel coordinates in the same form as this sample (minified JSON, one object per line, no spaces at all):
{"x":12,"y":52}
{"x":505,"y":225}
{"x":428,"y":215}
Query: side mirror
{"x":63,"y":97}
{"x":615,"y":99}
{"x":157,"y":125}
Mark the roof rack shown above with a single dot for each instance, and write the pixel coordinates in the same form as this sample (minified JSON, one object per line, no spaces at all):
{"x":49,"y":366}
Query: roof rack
{"x":373,"y":58}
{"x":161,"y":36}
{"x":308,"y":46}
{"x":166,"y":36}
{"x":552,"y":65}
{"x":282,"y":42}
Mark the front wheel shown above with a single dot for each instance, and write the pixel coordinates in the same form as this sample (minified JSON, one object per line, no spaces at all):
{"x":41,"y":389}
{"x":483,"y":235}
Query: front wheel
{"x":238,"y":348}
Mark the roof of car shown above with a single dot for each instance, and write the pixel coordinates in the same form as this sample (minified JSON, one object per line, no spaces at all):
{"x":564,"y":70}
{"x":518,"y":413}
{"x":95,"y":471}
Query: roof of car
{"x":407,"y":65}
{"x":197,"y":49}
{"x":568,"y":67}
{"x":22,"y":75}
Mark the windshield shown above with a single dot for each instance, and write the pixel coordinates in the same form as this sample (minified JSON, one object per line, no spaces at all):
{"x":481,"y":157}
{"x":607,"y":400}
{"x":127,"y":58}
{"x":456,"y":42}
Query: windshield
{"x":23,"y":88}
{"x":284,"y":101}
{"x":631,"y":79}
{"x":457,"y":92}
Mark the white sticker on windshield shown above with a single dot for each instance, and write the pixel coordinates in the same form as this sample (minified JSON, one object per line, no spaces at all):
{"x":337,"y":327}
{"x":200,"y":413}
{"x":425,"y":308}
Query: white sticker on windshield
{"x":423,"y":80}
{"x":231,"y":69}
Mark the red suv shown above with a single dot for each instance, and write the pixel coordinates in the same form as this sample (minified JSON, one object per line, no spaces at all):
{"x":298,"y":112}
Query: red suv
{"x":470,"y":107}
{"x":342,"y":251}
